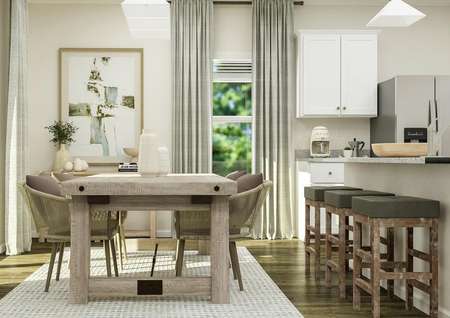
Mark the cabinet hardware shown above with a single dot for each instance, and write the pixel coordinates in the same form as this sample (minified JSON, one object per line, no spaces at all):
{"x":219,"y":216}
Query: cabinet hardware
{"x":330,"y":173}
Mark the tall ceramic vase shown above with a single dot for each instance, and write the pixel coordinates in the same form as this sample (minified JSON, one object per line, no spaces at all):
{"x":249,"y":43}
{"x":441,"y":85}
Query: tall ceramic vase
{"x":148,"y":163}
{"x":61,"y":157}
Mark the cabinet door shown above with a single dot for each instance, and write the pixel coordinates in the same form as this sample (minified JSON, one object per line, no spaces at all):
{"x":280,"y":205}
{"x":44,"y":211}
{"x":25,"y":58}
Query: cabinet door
{"x":320,"y":69}
{"x":359,"y":75}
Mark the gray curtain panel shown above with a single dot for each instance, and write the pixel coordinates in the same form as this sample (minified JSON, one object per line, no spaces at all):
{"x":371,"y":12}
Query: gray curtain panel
{"x":4,"y":52}
{"x":273,"y":100}
{"x":191,"y":28}
{"x":17,"y":217}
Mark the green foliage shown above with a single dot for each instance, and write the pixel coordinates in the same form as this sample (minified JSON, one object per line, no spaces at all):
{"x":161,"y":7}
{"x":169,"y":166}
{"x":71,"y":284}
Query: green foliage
{"x":232,"y":148}
{"x":232,"y":99}
{"x":232,"y":143}
{"x":62,"y":132}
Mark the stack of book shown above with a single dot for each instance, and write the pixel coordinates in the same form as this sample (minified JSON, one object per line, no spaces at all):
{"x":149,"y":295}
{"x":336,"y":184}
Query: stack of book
{"x":128,"y":167}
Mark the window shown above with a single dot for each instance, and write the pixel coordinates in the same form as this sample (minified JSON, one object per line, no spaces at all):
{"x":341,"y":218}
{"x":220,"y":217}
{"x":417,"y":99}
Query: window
{"x":232,"y":117}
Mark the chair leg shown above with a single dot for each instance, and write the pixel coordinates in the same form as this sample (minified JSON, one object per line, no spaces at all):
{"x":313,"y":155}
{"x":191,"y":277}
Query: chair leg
{"x":434,"y":267}
{"x":328,"y":247}
{"x":342,"y":257}
{"x":180,"y":255}
{"x":307,"y":240}
{"x":235,"y":264}
{"x":409,"y":267}
{"x":124,"y":242}
{"x":391,"y":258}
{"x":357,"y":262}
{"x":154,"y":259}
{"x":60,"y":259}
{"x":114,"y":257}
{"x":375,"y":268}
{"x":119,"y":247}
{"x":50,"y":266}
{"x":107,"y":258}
{"x":317,"y":242}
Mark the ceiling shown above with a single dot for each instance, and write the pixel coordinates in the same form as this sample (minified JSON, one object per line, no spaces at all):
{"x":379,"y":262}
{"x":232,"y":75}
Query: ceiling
{"x":307,"y":2}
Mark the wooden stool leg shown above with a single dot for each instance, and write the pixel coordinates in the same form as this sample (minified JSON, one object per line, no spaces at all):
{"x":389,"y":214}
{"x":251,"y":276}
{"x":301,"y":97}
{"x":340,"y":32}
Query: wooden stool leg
{"x":342,"y":258}
{"x":409,"y":267}
{"x":317,"y":242}
{"x":434,"y":267}
{"x":307,"y":240}
{"x":390,"y":258}
{"x":347,"y":238}
{"x":328,"y":246}
{"x":375,"y":267}
{"x":356,"y":264}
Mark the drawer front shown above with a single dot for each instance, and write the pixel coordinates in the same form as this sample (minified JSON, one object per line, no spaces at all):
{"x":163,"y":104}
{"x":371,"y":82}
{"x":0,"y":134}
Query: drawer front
{"x":327,"y":173}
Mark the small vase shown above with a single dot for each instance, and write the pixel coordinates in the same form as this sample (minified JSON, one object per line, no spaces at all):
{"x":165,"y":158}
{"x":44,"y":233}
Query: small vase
{"x":61,"y":157}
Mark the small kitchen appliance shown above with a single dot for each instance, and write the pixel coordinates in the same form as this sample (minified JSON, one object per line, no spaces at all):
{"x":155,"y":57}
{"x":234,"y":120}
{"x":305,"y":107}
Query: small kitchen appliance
{"x":357,"y":147}
{"x":320,"y":142}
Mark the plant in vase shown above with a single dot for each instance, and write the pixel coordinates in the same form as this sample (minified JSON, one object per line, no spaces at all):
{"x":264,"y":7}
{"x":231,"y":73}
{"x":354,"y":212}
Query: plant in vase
{"x":62,"y":136}
{"x":348,"y":152}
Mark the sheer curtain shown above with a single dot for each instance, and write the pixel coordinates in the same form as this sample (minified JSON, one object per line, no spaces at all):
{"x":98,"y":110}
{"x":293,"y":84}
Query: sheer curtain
{"x":273,"y":100}
{"x":191,"y":85}
{"x":17,"y":217}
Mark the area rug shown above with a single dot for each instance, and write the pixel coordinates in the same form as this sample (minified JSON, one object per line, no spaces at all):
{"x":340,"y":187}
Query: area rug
{"x":261,"y":297}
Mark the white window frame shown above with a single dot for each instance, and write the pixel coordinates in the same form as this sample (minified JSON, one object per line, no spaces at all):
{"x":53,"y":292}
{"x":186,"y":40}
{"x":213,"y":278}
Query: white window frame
{"x":238,"y":77}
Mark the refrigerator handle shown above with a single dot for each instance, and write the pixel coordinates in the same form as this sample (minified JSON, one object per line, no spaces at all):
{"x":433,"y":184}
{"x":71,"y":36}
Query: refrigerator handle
{"x":437,"y":115}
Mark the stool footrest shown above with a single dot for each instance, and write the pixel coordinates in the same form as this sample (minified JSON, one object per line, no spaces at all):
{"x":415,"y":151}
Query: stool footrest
{"x":363,"y":254}
{"x":364,"y":285}
{"x":332,"y":265}
{"x":416,"y":253}
{"x":311,"y":250}
{"x":393,"y":265}
{"x":405,"y":275}
{"x":333,"y":239}
{"x":419,"y":285}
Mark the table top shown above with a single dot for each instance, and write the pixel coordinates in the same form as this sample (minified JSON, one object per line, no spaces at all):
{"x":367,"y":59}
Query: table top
{"x":135,"y":184}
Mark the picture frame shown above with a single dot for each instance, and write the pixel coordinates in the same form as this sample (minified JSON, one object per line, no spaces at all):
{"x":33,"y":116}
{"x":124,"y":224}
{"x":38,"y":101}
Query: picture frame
{"x":101,"y":93}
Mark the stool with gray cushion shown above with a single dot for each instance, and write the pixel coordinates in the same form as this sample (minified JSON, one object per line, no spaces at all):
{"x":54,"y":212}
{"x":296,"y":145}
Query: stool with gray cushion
{"x":395,"y":212}
{"x":339,"y":202}
{"x":314,"y":197}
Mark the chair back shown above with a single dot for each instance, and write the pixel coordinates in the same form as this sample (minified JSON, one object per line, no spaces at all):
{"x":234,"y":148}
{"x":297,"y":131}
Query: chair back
{"x":245,"y":206}
{"x":50,"y":213}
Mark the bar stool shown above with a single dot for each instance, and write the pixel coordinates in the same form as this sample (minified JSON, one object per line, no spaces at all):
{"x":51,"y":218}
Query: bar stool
{"x":395,"y":212}
{"x":339,"y":202}
{"x":314,"y":197}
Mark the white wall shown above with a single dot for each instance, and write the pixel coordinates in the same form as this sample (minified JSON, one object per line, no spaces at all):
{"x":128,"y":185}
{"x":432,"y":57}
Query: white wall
{"x":421,"y":49}
{"x":4,"y":30}
{"x":102,"y":26}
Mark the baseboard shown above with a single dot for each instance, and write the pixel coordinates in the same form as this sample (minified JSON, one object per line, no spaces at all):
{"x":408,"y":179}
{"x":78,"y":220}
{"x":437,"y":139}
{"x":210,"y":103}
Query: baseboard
{"x":164,"y":233}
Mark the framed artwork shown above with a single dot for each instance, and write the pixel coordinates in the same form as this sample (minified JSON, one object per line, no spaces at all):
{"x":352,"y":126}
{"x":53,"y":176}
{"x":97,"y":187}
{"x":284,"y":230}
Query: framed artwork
{"x":101,"y":93}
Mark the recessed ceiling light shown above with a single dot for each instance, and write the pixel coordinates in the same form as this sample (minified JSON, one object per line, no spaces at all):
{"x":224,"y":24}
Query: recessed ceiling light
{"x":147,"y":18}
{"x":396,"y":13}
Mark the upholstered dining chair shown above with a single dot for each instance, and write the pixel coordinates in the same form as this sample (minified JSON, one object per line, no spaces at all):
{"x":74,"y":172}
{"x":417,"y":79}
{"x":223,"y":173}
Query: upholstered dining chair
{"x":120,"y":239}
{"x":244,"y":208}
{"x":50,"y":213}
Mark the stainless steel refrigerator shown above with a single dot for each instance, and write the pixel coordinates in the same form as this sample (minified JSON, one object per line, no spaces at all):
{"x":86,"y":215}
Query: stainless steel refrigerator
{"x":414,"y":102}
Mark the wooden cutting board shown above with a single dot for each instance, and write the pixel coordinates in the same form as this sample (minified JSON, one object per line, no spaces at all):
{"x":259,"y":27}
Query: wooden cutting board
{"x":400,"y":150}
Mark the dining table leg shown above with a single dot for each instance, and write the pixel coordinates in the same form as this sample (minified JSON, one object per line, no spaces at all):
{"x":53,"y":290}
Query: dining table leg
{"x":80,"y":247}
{"x":219,"y":250}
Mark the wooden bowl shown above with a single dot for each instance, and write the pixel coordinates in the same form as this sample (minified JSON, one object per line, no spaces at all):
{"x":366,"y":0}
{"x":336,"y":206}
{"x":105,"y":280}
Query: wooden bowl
{"x":400,"y":150}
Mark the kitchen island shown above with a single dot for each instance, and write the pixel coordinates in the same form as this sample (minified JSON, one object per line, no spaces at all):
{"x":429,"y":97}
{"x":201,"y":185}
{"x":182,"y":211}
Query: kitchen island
{"x":411,"y":177}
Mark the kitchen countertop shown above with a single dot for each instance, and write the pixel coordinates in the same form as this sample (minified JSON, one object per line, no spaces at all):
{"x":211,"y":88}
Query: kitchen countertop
{"x":375,"y":160}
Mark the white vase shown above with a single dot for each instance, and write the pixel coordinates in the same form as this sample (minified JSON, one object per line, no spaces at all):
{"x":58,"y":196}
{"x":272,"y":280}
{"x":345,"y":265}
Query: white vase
{"x":164,"y":161}
{"x":148,"y":163}
{"x":61,"y":157}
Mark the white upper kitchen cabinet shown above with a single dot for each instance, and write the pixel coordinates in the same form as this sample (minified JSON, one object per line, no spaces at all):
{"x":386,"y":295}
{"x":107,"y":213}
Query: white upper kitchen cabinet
{"x":337,"y":73}
{"x":321,"y":73}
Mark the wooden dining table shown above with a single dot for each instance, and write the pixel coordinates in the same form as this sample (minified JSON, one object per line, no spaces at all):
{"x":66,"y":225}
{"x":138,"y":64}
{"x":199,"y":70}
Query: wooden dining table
{"x":126,"y":191}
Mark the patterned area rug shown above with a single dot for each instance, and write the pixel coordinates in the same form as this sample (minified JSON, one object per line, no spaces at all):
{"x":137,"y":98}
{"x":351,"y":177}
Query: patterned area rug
{"x":261,"y":297}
